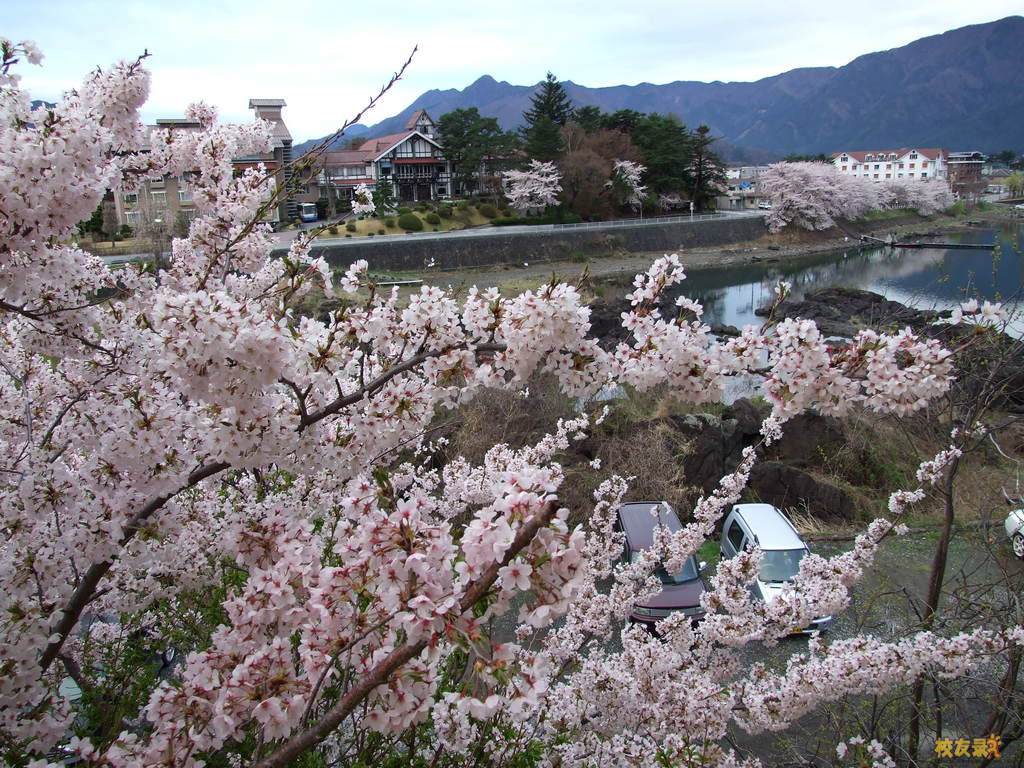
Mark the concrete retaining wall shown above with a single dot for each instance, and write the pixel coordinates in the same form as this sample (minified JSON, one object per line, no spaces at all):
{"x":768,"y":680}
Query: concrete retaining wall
{"x":413,"y":252}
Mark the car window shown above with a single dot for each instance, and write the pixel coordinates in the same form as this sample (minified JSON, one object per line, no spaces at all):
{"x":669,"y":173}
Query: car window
{"x":735,"y":536}
{"x":781,"y":564}
{"x":687,"y":573}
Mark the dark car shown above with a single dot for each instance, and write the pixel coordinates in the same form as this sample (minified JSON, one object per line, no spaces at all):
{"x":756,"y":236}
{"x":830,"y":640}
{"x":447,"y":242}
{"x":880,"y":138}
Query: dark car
{"x":681,"y":591}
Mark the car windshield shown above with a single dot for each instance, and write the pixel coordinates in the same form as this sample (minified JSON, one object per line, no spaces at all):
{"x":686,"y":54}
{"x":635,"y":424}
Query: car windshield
{"x":687,"y":573}
{"x":781,"y":564}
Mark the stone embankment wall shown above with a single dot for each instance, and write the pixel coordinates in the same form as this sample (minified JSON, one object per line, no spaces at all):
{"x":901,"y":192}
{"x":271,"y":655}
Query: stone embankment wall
{"x":413,"y":252}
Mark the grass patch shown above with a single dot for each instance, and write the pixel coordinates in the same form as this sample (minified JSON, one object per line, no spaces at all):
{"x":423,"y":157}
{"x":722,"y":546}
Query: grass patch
{"x":461,"y":219}
{"x":889,"y":213}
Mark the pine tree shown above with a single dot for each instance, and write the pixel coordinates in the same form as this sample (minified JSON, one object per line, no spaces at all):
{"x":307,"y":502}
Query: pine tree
{"x":551,"y":101}
{"x":706,"y":171}
{"x":550,"y":109}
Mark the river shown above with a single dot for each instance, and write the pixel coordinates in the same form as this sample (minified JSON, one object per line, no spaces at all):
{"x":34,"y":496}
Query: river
{"x":921,"y":277}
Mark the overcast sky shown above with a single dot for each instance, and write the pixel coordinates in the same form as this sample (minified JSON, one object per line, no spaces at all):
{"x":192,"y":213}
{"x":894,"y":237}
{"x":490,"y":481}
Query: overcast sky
{"x":327,"y":58}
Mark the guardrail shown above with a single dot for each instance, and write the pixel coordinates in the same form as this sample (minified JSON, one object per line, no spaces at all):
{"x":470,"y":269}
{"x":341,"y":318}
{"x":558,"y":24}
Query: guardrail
{"x":638,"y":222}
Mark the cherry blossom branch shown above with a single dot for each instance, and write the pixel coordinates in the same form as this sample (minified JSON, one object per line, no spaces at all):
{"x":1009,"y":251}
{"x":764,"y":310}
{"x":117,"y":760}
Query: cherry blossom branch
{"x":370,"y":388}
{"x":400,"y":656}
{"x":86,"y":588}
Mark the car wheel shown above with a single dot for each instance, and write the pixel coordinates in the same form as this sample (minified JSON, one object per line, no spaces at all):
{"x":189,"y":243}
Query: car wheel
{"x":1018,"y":545}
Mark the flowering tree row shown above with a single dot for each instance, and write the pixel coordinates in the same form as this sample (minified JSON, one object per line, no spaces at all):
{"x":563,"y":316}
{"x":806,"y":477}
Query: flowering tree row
{"x":191,"y":466}
{"x":814,"y":195}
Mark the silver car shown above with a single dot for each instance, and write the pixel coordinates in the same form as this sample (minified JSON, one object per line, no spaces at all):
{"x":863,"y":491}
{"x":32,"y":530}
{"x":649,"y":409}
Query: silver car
{"x":1015,"y":531}
{"x":762,"y":525}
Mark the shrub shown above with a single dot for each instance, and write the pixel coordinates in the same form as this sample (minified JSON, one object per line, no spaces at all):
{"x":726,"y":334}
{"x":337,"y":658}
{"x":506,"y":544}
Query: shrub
{"x":333,"y":229}
{"x":577,"y":257}
{"x":436,"y":229}
{"x":389,"y":222}
{"x":507,"y":213}
{"x":433,"y":218}
{"x":402,"y":209}
{"x":370,"y":234}
{"x":487,"y":210}
{"x":347,"y":235}
{"x":463,"y":205}
{"x":350,"y":227}
{"x":382,"y":231}
{"x":445,"y":211}
{"x":410,"y":222}
{"x":124,"y":231}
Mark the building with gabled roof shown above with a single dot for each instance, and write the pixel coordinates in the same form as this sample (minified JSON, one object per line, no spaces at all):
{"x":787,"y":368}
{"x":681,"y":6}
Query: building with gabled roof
{"x":411,"y":160}
{"x":883,"y":164}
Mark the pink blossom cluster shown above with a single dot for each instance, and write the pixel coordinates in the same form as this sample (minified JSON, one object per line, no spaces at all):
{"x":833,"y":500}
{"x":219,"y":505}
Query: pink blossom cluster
{"x":362,"y":201}
{"x":170,"y":435}
{"x":536,"y":187}
{"x":625,"y":182}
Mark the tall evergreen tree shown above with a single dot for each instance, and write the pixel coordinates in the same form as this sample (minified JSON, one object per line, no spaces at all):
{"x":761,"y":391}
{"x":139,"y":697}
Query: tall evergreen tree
{"x":666,"y":151}
{"x":706,"y":171}
{"x":550,"y":100}
{"x":550,"y":108}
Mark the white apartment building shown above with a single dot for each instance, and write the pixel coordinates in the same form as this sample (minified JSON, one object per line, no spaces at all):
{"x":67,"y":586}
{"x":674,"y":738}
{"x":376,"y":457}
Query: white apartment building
{"x":880,"y":165}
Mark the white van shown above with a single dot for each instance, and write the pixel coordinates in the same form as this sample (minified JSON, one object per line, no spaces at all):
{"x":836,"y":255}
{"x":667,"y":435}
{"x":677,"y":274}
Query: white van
{"x":762,"y":525}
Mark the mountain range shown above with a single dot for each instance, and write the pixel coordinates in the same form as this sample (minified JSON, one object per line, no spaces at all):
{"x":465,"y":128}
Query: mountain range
{"x":960,"y":90}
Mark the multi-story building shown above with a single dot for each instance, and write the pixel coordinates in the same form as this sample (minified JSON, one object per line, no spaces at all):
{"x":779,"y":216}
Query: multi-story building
{"x":965,"y":175}
{"x":880,"y":165}
{"x":278,"y":159}
{"x":160,"y":204}
{"x":163,"y":206}
{"x":745,"y":172}
{"x":411,"y":160}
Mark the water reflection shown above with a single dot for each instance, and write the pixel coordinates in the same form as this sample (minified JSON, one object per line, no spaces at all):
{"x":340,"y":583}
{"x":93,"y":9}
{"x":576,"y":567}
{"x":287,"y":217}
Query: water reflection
{"x":924,"y":278}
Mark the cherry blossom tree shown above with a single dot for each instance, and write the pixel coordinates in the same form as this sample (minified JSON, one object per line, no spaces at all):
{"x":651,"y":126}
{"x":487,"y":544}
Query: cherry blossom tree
{"x":625,"y":183}
{"x":813,"y":195}
{"x":536,"y":187}
{"x":190,"y":465}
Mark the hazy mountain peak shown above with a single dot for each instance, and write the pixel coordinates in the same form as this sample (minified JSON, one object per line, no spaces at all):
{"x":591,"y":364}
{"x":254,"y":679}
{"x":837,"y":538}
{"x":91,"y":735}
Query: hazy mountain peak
{"x":959,"y":89}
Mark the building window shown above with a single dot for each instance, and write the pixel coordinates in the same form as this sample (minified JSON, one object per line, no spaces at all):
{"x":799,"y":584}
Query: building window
{"x":913,"y":156}
{"x":924,"y":165}
{"x":876,"y":175}
{"x":888,"y":167}
{"x":876,"y":168}
{"x":923,"y":174}
{"x":912,"y":165}
{"x":132,"y":218}
{"x":844,"y":168}
{"x":158,"y":198}
{"x":888,"y":175}
{"x":131,"y":197}
{"x":184,"y":195}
